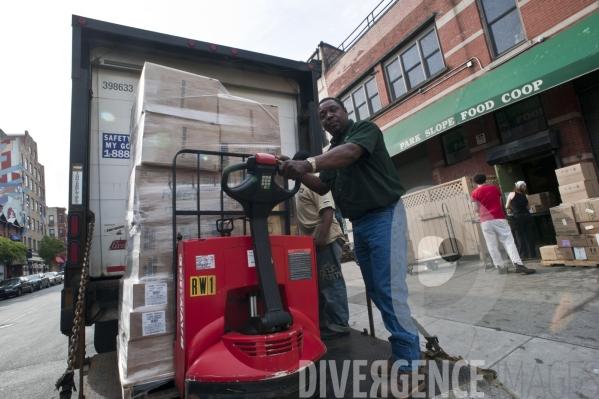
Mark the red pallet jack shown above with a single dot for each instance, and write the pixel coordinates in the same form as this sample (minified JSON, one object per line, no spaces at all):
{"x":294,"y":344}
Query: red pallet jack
{"x":247,"y":306}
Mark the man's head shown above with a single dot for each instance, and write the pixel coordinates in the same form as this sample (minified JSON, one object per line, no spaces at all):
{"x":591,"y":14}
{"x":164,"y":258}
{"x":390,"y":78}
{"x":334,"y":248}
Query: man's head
{"x":479,"y":178}
{"x":332,"y":115}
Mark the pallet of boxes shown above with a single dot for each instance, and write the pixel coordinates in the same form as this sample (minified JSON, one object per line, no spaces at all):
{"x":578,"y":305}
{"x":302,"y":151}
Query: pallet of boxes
{"x":174,"y":110}
{"x":576,"y":220}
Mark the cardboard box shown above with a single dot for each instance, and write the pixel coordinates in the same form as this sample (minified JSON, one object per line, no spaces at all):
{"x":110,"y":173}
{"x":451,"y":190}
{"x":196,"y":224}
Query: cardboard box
{"x":592,"y":253}
{"x":575,"y":173}
{"x":571,"y":241}
{"x":158,"y":138}
{"x":151,"y":193}
{"x":247,"y":126}
{"x":579,"y":190}
{"x":563,"y":220}
{"x":592,"y":240}
{"x":553,"y":252}
{"x":589,"y":227}
{"x":579,"y":253}
{"x":178,"y":93}
{"x":137,"y":295}
{"x":156,"y":320}
{"x":586,"y":210}
{"x":541,"y":202}
{"x":145,"y":359}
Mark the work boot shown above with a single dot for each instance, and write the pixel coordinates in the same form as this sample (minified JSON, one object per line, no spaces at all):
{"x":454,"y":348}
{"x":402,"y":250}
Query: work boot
{"x":404,"y":386}
{"x":523,"y":269}
{"x":501,"y":269}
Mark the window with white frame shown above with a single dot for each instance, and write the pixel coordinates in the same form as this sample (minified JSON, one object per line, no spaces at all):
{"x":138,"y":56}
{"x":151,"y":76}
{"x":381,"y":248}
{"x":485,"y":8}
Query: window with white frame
{"x":363,"y":101}
{"x":503,"y":24}
{"x":51,"y":232}
{"x":415,"y":63}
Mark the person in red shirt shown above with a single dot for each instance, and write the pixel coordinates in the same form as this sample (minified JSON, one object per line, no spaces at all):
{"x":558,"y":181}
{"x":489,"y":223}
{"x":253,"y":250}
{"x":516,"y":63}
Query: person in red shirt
{"x":487,"y":203}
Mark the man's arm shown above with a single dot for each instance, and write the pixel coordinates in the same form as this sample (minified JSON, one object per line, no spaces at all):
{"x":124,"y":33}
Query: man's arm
{"x":327,"y":220}
{"x":337,"y":158}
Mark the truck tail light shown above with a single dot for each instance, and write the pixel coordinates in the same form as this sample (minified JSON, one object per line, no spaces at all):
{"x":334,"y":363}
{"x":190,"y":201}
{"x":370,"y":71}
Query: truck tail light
{"x":74,"y":225}
{"x":74,"y":252}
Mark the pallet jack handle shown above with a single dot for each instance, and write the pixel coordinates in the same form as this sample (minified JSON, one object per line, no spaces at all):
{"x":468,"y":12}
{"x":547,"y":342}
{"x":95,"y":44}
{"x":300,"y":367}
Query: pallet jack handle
{"x":259,"y":194}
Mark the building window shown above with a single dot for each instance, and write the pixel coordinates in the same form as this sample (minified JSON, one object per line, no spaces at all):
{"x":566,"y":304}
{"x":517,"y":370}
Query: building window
{"x":37,"y":223}
{"x":26,"y":164}
{"x":521,"y":119}
{"x":61,"y":232}
{"x":51,"y":232}
{"x":30,"y":149}
{"x":29,"y":242}
{"x":60,"y":219}
{"x":455,"y":146}
{"x":364,"y":101}
{"x":51,"y":220}
{"x":503,"y":24}
{"x":34,"y":154}
{"x":34,"y":245}
{"x":414,"y":64}
{"x":22,"y":158}
{"x":27,"y":201}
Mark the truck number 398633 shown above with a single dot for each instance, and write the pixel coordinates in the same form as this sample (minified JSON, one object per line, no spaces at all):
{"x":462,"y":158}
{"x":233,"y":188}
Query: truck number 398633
{"x":117,"y":86}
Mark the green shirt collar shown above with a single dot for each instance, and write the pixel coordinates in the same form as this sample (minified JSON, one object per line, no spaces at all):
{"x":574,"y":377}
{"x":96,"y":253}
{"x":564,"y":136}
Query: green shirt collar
{"x":340,"y":139}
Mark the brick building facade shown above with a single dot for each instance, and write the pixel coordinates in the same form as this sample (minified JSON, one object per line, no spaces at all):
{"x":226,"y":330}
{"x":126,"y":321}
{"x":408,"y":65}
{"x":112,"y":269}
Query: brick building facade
{"x":505,"y":87}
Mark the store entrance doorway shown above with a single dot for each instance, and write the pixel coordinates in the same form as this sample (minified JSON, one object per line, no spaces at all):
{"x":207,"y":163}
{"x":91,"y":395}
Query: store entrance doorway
{"x":539,"y":174}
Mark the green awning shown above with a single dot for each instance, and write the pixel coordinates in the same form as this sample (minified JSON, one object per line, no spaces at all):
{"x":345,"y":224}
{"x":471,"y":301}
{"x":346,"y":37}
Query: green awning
{"x":563,"y":57}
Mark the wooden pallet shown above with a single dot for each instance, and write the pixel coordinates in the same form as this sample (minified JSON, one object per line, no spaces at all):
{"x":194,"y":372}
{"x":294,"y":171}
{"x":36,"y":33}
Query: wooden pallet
{"x":570,"y":263}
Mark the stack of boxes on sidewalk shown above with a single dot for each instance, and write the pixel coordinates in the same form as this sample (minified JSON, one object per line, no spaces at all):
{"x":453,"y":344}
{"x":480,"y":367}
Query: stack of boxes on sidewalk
{"x":576,"y":220}
{"x":174,"y":110}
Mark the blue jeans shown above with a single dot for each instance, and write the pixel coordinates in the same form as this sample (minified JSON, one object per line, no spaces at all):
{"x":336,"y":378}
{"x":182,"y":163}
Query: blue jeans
{"x":332,"y":293}
{"x":380,"y":241}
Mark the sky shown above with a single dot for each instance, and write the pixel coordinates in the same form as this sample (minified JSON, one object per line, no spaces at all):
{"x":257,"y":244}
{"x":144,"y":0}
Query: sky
{"x":35,"y":52}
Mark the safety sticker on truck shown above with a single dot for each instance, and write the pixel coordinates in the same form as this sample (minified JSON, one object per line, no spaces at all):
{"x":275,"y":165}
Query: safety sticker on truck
{"x":202,"y":285}
{"x":154,"y":323}
{"x":251,"y":262}
{"x":156,"y":294}
{"x":205,"y":262}
{"x":115,"y":145}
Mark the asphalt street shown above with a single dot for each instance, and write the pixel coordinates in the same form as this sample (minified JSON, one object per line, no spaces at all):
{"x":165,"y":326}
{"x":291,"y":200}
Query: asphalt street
{"x":33,"y":352}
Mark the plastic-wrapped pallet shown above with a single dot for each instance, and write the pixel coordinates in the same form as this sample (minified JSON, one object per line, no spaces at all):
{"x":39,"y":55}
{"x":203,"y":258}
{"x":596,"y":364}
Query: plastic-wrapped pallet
{"x":176,"y":110}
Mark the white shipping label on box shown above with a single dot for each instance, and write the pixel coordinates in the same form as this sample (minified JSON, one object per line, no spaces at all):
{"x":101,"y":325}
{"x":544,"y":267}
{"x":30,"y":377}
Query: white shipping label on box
{"x":580,"y":253}
{"x":154,"y":323}
{"x":156,"y":294}
{"x":251,"y":262}
{"x":205,"y":262}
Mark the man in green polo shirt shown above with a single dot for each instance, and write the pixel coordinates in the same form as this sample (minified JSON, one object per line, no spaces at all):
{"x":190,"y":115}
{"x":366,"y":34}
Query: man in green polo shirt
{"x":358,"y":170}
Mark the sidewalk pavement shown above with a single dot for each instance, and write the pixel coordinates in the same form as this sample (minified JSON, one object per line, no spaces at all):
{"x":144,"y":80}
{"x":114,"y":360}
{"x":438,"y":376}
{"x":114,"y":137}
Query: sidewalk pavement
{"x":540,"y":332}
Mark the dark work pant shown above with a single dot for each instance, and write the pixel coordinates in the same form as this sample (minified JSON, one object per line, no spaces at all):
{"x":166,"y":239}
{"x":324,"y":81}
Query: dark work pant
{"x":526,"y":243}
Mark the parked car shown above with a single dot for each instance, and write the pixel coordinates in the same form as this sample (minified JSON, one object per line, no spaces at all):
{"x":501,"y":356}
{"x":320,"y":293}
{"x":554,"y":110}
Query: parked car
{"x":39,"y":280}
{"x":16,"y":286}
{"x":55,"y":277}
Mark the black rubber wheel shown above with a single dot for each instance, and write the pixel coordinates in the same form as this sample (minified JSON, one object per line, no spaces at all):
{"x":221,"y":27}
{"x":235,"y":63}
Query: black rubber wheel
{"x":105,"y":333}
{"x":19,"y":292}
{"x":31,"y":289}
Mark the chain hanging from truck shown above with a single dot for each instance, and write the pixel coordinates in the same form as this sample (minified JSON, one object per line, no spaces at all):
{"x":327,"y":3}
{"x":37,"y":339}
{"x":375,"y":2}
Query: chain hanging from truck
{"x":66,"y":382}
